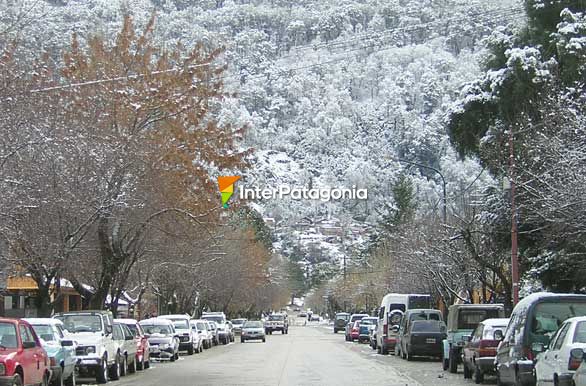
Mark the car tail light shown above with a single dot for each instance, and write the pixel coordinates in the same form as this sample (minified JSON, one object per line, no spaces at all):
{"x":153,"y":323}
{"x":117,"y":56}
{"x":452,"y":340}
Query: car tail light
{"x":354,"y":329}
{"x":575,"y":359}
{"x":385,"y":329}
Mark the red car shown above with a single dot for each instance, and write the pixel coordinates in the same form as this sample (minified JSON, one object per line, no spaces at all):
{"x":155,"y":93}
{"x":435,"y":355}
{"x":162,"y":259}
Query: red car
{"x":143,"y":360}
{"x":23,"y":361}
{"x":355,"y":331}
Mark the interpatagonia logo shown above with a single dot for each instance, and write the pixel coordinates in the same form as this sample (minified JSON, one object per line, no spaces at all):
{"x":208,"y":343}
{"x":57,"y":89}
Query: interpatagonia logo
{"x":226,"y":185}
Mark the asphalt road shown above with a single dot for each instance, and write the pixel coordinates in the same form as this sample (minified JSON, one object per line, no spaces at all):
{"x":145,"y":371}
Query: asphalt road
{"x":308,"y":356}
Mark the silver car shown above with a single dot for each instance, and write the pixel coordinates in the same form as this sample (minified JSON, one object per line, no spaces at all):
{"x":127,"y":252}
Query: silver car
{"x":252,"y":330}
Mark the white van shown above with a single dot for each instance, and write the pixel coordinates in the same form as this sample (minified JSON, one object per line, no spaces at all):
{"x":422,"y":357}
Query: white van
{"x":391,"y":310}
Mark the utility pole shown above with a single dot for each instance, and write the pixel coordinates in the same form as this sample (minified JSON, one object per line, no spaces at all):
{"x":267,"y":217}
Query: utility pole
{"x":514,"y":257}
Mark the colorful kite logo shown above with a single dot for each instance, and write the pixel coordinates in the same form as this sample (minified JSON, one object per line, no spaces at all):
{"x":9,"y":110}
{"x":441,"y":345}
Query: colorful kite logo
{"x":226,"y":184}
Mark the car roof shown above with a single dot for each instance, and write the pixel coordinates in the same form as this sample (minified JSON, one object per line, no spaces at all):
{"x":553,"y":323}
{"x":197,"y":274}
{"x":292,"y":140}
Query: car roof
{"x":365,"y":315}
{"x":156,"y":321}
{"x":495,"y":322}
{"x":43,"y":321}
{"x":84,"y":312}
{"x":175,"y":316}
{"x":576,"y":319}
{"x":10,"y":320}
{"x":126,"y":321}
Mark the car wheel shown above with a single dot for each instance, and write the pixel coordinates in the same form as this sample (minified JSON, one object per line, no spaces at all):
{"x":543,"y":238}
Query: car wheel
{"x":453,"y":364}
{"x":124,"y":367}
{"x":467,"y":372}
{"x":46,"y":379}
{"x":147,"y":364}
{"x":242,"y":340}
{"x":335,"y":331}
{"x":384,"y":350}
{"x":102,"y":374}
{"x":499,"y":382}
{"x":264,"y":340}
{"x":140,"y":365}
{"x":72,"y":380}
{"x":408,"y":355}
{"x":132,"y":366}
{"x":190,"y":349}
{"x":115,"y":370}
{"x":445,"y":364}
{"x":478,"y":375}
{"x":60,"y":381}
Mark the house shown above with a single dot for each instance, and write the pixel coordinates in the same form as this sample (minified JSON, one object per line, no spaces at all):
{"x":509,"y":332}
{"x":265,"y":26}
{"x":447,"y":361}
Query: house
{"x":18,"y":297}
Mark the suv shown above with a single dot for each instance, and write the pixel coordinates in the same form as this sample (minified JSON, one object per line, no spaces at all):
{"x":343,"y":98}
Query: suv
{"x":462,"y":321}
{"x":340,"y":321}
{"x":277,"y":322}
{"x":188,"y":339}
{"x":96,"y":352}
{"x":224,"y":335}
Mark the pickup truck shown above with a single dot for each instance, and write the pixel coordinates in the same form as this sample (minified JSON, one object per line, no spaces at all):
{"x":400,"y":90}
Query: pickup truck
{"x":97,"y":353}
{"x":277,"y":322}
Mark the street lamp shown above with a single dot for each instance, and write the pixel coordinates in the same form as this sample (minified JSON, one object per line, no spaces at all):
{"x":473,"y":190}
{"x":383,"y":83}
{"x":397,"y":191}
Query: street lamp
{"x":514,"y":257}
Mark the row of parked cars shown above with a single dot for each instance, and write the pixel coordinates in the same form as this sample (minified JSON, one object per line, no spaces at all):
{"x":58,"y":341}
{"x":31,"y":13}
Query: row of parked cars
{"x":57,"y":350}
{"x":542,"y":343}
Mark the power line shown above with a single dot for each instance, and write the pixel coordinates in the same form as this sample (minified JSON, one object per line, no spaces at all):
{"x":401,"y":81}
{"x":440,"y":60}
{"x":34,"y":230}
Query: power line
{"x":509,"y":12}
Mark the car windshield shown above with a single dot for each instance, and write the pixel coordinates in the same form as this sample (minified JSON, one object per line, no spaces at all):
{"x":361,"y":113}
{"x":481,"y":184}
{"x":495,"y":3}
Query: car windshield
{"x":470,"y":319}
{"x":426,"y":326}
{"x":356,"y":317}
{"x":366,"y":322}
{"x":217,"y":319}
{"x":549,"y":316}
{"x":45,"y":332}
{"x":180,"y":323}
{"x":134,"y":329}
{"x":162,"y":329}
{"x":238,"y":321}
{"x":7,"y":335}
{"x":276,"y":317}
{"x":343,"y":317}
{"x":201,"y":326}
{"x":253,"y":324}
{"x":81,"y":322}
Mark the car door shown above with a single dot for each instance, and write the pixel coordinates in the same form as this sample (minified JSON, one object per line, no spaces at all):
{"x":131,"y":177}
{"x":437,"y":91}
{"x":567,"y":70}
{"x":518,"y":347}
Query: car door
{"x":33,"y":356}
{"x":471,"y":348}
{"x":68,"y":351}
{"x":547,"y":361}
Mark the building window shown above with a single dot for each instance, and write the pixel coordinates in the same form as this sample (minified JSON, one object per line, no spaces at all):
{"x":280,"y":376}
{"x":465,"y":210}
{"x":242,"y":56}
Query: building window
{"x":74,"y":303}
{"x":8,"y":302}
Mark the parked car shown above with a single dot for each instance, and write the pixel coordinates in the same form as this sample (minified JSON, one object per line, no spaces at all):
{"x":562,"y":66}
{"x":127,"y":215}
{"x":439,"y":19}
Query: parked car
{"x":237,"y":325}
{"x":392,"y":305}
{"x":366,"y":326}
{"x":21,"y":348}
{"x":61,"y":351}
{"x":580,"y":374}
{"x":423,"y":338}
{"x":340,"y":321}
{"x":230,"y":329}
{"x":223,"y":333}
{"x":559,"y":362}
{"x":355,"y":331}
{"x":141,"y":341}
{"x":479,"y":352}
{"x":405,"y":327}
{"x":462,"y":321}
{"x":163,"y":340}
{"x":204,"y":331}
{"x":277,"y":322}
{"x":126,"y":348}
{"x":214,"y":331}
{"x":535,"y":319}
{"x":96,"y":351}
{"x":350,"y":324}
{"x":253,"y":330}
{"x":188,"y":340}
{"x":385,"y":335}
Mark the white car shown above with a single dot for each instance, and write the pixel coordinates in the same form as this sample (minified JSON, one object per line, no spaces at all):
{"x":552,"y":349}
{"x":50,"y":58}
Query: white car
{"x":559,"y":362}
{"x":224,"y":334}
{"x":200,"y":328}
{"x":188,"y":340}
